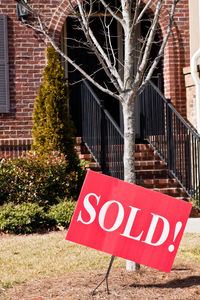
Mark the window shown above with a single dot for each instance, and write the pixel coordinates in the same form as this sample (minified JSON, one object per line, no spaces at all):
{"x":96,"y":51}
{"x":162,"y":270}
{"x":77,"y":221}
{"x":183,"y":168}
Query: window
{"x":4,"y":71}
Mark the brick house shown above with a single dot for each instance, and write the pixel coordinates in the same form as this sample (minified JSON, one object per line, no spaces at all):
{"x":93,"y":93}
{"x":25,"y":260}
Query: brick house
{"x":22,"y":57}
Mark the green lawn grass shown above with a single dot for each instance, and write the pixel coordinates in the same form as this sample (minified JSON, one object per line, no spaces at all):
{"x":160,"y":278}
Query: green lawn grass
{"x":30,"y":257}
{"x":189,"y":250}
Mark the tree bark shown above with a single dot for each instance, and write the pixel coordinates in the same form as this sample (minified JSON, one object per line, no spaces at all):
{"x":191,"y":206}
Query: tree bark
{"x":129,"y":154}
{"x":129,"y":140}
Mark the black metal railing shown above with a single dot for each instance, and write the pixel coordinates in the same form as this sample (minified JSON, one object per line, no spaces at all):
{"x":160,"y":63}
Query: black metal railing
{"x":177,"y":144}
{"x":101,"y":134}
{"x":174,"y":140}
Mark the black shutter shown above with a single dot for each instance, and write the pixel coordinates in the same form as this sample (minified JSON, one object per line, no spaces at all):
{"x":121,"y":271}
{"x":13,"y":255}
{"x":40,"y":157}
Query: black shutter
{"x":4,"y":71}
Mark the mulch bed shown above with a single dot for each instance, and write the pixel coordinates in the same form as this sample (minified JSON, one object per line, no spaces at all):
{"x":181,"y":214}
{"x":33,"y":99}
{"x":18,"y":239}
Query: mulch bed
{"x":182,"y":283}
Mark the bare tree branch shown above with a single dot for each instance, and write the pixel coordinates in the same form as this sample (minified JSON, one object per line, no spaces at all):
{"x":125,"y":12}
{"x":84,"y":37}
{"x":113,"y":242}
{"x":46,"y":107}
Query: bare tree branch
{"x":137,"y":10}
{"x":162,"y":47}
{"x":126,"y":13}
{"x":95,"y":49}
{"x":108,"y":37}
{"x":44,"y":31}
{"x":108,"y":59}
{"x":143,"y":47}
{"x":128,"y":44}
{"x":90,"y":35}
{"x":143,"y":11}
{"x":113,"y":14}
{"x":148,"y":46}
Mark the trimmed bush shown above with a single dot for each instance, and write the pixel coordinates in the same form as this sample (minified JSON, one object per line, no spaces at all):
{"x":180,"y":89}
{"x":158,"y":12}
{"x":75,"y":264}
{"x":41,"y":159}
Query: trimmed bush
{"x":23,"y":218}
{"x":53,"y":129}
{"x":37,"y":179}
{"x":62,"y":213}
{"x":30,"y":217}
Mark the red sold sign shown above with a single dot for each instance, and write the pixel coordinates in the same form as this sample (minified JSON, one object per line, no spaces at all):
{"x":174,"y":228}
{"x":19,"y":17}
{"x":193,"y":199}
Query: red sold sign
{"x":128,"y":221}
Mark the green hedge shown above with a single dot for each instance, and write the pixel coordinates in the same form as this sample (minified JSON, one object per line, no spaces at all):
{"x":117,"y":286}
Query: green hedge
{"x":30,"y":217}
{"x":34,"y":193}
{"x":36,"y":179}
{"x":62,"y":213}
{"x":23,"y":218}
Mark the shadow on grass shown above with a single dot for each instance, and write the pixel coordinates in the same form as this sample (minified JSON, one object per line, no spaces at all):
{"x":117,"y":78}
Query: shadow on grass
{"x":173,"y":284}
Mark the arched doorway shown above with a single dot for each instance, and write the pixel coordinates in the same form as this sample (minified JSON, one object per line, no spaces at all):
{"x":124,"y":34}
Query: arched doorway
{"x":77,"y":51}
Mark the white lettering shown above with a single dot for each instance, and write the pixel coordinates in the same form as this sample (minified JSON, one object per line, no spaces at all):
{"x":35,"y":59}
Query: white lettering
{"x":129,"y":224}
{"x":89,"y":208}
{"x":152,"y":229}
{"x":118,"y":220}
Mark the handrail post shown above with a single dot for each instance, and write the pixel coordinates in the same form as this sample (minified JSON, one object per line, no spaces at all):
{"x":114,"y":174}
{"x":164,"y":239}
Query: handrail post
{"x":103,"y":143}
{"x":170,"y":143}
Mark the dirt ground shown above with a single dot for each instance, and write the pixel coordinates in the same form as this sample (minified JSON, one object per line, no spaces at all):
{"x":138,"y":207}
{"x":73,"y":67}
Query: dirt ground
{"x":182,"y":283}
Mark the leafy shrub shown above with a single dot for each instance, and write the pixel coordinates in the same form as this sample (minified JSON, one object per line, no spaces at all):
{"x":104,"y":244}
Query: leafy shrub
{"x":30,"y":217}
{"x":37,"y":179}
{"x":23,"y":218}
{"x":62,"y":213}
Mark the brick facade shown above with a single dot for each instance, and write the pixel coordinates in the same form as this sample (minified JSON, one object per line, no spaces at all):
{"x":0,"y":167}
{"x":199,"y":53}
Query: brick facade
{"x":27,"y":60}
{"x":191,"y":96}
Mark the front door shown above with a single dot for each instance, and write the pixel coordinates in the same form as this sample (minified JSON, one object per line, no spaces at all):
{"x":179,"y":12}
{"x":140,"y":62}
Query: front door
{"x":78,"y":52}
{"x":90,"y":64}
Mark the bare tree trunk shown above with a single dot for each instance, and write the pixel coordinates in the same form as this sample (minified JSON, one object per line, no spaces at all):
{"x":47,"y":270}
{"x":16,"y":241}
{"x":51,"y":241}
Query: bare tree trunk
{"x":129,"y":141}
{"x":129,"y":154}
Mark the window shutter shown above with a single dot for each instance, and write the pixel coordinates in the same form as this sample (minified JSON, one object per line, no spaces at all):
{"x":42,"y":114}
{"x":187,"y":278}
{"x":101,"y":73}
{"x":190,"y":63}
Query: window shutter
{"x":4,"y":70}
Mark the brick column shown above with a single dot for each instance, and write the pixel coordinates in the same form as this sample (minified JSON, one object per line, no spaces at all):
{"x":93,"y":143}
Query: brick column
{"x":190,"y":96}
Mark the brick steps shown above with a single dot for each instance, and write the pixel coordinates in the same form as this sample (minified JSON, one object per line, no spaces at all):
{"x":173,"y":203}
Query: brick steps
{"x":85,"y":155}
{"x":157,"y":183}
{"x":150,"y":165}
{"x":151,"y":172}
{"x":171,"y":191}
{"x":92,"y":166}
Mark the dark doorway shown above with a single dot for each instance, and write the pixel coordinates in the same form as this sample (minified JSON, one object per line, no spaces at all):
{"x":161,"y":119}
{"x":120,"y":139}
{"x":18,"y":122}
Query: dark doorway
{"x":78,"y":52}
{"x":89,"y":62}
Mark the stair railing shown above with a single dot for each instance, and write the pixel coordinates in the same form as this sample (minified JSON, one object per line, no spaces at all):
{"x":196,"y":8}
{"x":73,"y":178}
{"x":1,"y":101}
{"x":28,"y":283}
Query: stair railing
{"x":174,"y":140}
{"x":101,"y":134}
{"x":177,"y":144}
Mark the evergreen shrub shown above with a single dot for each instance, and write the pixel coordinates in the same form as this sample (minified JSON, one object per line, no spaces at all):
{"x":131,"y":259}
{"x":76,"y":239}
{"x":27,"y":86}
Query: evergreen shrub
{"x":53,"y":129}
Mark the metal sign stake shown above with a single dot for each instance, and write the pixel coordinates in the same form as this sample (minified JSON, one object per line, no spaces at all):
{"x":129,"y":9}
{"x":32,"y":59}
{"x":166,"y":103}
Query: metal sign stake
{"x":106,"y":277}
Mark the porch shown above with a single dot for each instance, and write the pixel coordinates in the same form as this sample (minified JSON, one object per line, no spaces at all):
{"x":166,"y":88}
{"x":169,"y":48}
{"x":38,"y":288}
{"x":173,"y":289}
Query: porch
{"x":167,"y":157}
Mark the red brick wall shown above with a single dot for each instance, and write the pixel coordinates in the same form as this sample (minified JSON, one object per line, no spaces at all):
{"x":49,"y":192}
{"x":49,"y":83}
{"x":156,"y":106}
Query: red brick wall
{"x":177,"y":56}
{"x":177,"y":53}
{"x":27,"y":60}
{"x":191,"y":96}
